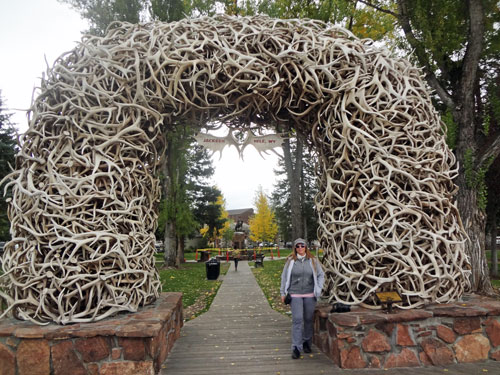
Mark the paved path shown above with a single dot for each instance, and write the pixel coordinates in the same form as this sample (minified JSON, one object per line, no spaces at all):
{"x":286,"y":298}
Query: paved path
{"x":241,"y":334}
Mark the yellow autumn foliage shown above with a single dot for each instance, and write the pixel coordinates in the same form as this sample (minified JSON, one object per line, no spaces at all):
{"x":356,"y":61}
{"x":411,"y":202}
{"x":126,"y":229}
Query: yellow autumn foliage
{"x":263,"y":226}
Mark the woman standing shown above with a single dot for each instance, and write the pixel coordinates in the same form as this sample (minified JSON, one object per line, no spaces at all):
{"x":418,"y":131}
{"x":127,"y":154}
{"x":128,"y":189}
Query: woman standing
{"x":303,"y":278}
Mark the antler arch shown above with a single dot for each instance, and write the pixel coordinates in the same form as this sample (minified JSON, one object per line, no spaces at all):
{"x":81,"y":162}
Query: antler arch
{"x":85,"y":191}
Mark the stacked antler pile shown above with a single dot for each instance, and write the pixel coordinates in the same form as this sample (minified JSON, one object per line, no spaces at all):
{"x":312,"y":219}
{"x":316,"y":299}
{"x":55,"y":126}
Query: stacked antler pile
{"x":85,"y":191}
{"x":387,"y":217}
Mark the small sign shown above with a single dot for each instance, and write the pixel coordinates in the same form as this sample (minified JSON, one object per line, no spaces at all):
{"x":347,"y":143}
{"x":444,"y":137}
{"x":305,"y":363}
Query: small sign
{"x":262,"y":143}
{"x":385,"y":297}
{"x":388,"y":298}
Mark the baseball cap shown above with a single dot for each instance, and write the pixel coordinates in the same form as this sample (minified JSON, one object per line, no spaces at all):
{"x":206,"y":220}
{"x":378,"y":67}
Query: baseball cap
{"x":299,"y":240}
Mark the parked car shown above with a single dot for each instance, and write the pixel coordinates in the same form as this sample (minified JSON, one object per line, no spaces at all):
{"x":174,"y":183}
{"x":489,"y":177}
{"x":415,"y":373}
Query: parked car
{"x":498,"y":240}
{"x":159,"y":247}
{"x":266,"y":244}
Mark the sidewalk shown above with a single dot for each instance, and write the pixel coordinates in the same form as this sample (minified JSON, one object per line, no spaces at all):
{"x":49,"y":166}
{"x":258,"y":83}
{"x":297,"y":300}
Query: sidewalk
{"x":241,"y":334}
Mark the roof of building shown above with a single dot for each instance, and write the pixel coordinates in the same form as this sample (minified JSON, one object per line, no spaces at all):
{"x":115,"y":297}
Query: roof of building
{"x":239,"y":211}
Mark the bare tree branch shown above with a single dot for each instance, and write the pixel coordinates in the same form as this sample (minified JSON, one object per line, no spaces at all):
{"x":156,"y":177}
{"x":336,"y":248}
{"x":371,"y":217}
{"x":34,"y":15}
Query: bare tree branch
{"x":492,"y":151}
{"x":375,"y":6}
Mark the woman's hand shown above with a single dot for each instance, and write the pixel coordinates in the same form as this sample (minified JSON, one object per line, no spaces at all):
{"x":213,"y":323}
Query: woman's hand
{"x":282,"y":299}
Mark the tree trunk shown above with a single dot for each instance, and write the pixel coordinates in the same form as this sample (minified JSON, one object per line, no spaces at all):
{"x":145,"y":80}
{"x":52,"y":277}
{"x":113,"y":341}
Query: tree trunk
{"x":492,"y":216}
{"x":493,"y":249}
{"x":180,"y":250}
{"x":293,"y":174}
{"x":474,"y":222}
{"x":473,"y":217}
{"x":303,"y":205}
{"x":170,"y":257}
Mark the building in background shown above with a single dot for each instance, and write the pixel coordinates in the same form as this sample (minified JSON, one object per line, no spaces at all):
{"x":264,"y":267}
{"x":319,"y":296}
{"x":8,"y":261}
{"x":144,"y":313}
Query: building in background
{"x":241,"y":214}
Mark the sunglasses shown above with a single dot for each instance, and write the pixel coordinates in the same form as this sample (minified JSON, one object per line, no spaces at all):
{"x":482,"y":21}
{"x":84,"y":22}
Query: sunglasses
{"x":300,"y":246}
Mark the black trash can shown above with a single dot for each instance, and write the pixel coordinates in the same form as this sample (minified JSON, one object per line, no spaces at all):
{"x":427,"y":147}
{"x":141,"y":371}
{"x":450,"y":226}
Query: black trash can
{"x":213,"y":268}
{"x":259,"y":260}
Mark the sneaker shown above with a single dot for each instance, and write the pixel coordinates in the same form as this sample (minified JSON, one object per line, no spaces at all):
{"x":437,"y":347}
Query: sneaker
{"x":307,"y":347}
{"x":295,"y":353}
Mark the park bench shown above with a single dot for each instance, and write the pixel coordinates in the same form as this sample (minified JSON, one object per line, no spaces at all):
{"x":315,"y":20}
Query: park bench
{"x":259,"y":260}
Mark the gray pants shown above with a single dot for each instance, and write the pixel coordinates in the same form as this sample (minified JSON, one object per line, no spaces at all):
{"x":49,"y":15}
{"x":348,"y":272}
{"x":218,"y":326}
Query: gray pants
{"x":302,"y":320}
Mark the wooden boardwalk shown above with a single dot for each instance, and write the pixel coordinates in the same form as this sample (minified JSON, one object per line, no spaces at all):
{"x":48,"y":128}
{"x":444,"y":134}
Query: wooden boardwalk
{"x":241,"y":334}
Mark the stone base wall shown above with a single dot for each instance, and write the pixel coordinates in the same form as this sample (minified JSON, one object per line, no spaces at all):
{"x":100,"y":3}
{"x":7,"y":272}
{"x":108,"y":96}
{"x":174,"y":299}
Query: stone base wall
{"x":130,"y":343}
{"x":437,"y":335}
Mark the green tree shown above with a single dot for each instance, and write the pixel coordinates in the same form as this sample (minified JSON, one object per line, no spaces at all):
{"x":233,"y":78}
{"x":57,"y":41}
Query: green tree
{"x":228,"y":234}
{"x":176,"y":214}
{"x":8,"y":150}
{"x":216,"y":220}
{"x":263,"y":226}
{"x":363,"y":21}
{"x":280,"y":202}
{"x":186,"y":180}
{"x":456,"y":42}
{"x":167,"y":10}
{"x":101,"y":13}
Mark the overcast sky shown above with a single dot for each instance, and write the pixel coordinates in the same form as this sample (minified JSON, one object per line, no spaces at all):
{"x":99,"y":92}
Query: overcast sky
{"x":35,"y":31}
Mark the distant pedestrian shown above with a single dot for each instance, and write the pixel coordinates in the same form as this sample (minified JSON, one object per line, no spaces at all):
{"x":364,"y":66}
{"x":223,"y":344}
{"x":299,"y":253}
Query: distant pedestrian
{"x":236,"y":258}
{"x":303,"y":279}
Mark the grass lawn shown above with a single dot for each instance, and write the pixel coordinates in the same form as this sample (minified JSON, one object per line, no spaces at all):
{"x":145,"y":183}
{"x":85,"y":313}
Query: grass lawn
{"x":190,"y":279}
{"x":191,"y":255}
{"x":269,"y":279}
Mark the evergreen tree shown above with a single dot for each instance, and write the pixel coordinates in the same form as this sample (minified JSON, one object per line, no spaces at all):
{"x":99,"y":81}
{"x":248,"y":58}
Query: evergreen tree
{"x":176,"y":216}
{"x":8,"y":150}
{"x":216,"y":220}
{"x":263,"y":226}
{"x":280,"y":202}
{"x":186,"y":177}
